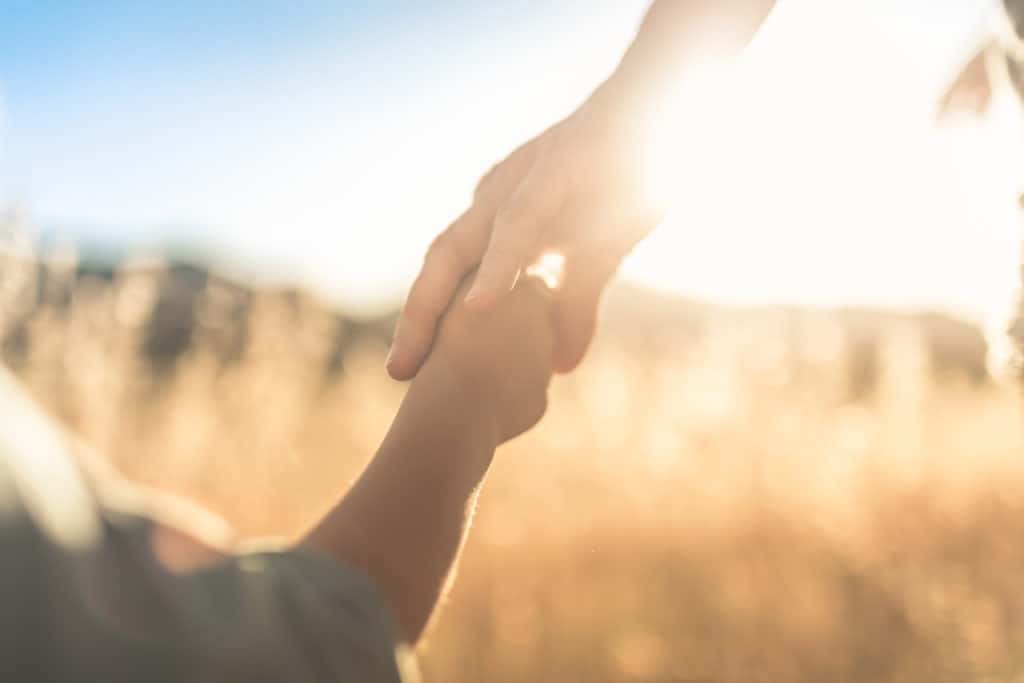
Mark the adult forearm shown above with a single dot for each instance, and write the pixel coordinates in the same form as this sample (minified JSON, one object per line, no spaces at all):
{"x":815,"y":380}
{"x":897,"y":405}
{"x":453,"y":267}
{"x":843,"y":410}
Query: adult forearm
{"x":405,"y":519}
{"x":675,"y":33}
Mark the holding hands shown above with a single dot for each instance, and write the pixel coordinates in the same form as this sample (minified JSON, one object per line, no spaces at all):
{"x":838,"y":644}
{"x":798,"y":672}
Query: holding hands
{"x":482,"y":340}
{"x":572,"y":190}
{"x":576,"y":189}
{"x":496,"y":362}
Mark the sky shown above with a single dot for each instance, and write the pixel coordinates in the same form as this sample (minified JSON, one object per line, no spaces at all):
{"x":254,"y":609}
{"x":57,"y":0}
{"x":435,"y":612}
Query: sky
{"x":326,"y":142}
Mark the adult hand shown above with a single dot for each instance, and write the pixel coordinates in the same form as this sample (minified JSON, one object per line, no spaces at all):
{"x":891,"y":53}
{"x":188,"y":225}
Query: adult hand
{"x":577,"y":189}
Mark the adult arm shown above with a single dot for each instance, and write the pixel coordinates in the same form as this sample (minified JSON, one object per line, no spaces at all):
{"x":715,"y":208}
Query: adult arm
{"x":573,"y":189}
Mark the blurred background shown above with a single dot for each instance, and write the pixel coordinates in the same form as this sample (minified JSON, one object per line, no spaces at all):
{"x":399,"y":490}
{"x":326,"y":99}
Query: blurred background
{"x":792,"y":453}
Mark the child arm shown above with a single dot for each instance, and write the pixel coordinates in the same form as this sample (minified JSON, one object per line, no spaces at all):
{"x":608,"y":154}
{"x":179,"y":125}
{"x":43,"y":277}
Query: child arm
{"x":405,"y":519}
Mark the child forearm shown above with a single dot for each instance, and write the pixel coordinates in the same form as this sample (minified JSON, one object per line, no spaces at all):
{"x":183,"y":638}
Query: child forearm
{"x":405,"y":519}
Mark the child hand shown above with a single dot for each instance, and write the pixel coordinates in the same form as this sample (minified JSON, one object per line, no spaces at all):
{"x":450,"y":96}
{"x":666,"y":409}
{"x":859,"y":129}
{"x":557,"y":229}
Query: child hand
{"x":499,"y":359}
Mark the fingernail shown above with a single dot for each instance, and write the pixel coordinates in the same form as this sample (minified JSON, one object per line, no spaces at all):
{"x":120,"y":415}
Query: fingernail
{"x":390,"y":360}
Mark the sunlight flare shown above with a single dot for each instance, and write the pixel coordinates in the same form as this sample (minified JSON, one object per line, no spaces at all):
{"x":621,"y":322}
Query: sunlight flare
{"x":548,"y":268}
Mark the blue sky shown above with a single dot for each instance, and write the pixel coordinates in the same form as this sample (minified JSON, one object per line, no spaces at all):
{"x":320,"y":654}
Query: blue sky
{"x":234,"y":124}
{"x":327,"y":142}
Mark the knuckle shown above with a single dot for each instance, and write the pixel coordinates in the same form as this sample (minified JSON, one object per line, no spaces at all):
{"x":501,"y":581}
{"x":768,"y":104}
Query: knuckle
{"x":486,"y":187}
{"x":495,"y":183}
{"x":442,"y":250}
{"x":455,"y":249}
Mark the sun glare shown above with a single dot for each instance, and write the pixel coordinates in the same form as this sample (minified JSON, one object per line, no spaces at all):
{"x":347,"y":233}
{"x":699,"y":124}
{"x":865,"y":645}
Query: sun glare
{"x":548,"y":268}
{"x":786,"y":180}
{"x":681,"y":127}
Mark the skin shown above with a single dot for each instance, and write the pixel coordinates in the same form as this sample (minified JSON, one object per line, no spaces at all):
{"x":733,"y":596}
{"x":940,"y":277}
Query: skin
{"x":405,"y":519}
{"x":482,"y":345}
{"x":573,"y":189}
{"x":482,"y":358}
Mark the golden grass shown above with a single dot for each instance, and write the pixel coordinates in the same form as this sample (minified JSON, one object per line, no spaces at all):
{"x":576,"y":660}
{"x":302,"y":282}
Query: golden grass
{"x":696,"y":506}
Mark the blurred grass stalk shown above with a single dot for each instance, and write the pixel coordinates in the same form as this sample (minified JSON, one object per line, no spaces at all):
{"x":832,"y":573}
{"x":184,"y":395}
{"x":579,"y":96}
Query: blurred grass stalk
{"x":752,"y":498}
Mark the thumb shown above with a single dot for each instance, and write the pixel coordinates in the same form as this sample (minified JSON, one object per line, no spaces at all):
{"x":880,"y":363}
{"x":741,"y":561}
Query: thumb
{"x":576,"y":312}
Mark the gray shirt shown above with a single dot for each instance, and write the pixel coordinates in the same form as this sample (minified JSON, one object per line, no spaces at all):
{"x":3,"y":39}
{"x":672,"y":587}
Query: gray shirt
{"x":82,"y":598}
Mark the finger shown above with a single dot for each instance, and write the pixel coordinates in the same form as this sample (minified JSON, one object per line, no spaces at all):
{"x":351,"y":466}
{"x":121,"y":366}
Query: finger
{"x":575,"y":319}
{"x":518,"y":225}
{"x":537,"y":288}
{"x":450,"y":257}
{"x":438,"y":281}
{"x":576,"y":309}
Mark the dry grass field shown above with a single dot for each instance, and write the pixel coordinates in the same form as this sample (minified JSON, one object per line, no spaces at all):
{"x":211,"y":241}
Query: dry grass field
{"x":716,"y":496}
